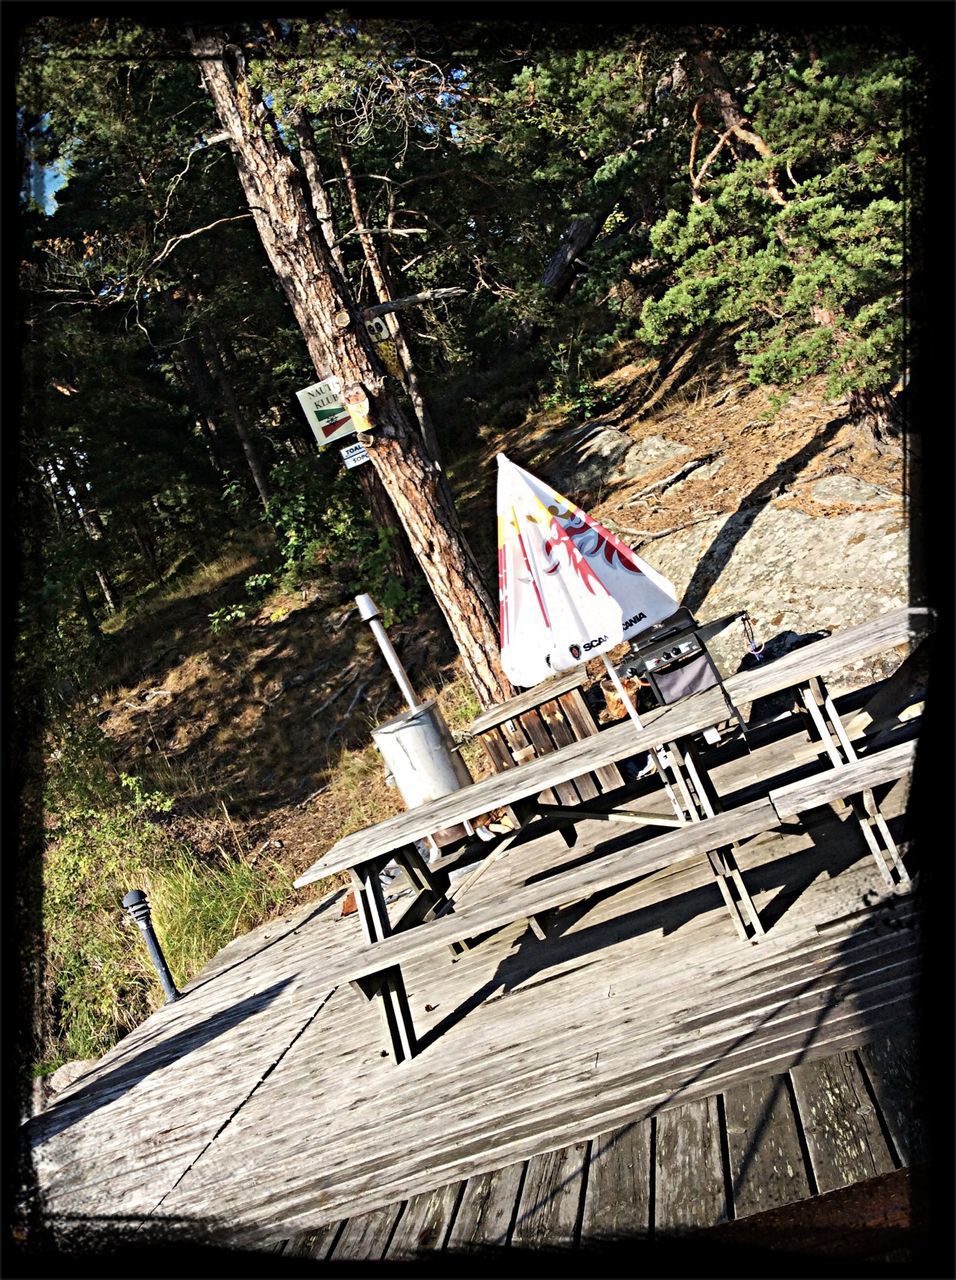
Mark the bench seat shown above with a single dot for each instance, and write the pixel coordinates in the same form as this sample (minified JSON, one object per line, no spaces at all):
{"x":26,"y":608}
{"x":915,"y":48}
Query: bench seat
{"x":616,"y":869}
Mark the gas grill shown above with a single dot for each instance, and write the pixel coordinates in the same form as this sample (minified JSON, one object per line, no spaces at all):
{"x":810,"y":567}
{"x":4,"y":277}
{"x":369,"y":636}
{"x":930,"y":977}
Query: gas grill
{"x":673,"y":658}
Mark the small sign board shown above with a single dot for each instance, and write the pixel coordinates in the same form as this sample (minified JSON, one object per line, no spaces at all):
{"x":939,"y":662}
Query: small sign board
{"x":326,"y":414}
{"x":353,"y":455}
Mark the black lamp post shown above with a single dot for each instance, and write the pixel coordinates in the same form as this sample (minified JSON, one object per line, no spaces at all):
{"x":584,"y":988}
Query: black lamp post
{"x":137,"y":905}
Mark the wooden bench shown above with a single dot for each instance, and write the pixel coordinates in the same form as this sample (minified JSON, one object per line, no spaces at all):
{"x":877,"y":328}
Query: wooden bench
{"x":542,"y":720}
{"x":375,"y":968}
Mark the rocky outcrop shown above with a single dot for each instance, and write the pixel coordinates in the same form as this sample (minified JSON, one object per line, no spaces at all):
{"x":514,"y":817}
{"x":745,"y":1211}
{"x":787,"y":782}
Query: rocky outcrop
{"x":597,"y":455}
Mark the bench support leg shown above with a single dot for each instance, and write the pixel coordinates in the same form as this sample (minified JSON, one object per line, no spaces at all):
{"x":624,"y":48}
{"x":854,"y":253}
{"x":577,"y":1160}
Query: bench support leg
{"x":387,"y":988}
{"x":824,"y":725}
{"x":704,"y":803}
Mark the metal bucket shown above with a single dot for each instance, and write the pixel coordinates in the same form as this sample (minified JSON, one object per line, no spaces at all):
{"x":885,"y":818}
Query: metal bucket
{"x":420,"y":755}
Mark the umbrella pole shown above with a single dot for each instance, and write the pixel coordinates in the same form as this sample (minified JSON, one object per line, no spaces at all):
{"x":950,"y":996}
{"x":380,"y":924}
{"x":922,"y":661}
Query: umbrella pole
{"x":655,"y":753}
{"x":622,"y":692}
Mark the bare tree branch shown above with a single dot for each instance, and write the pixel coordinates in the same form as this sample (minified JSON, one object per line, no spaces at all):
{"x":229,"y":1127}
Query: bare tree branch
{"x":171,"y":244}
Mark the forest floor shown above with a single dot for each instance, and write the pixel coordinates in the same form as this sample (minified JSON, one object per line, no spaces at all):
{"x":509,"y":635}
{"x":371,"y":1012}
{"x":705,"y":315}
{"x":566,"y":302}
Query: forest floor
{"x":263,"y":734}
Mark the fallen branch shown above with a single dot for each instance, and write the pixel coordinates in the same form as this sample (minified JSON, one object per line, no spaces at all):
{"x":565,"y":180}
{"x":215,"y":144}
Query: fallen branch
{"x":679,"y":474}
{"x":337,"y":694}
{"x":355,"y":697}
{"x":649,"y":535}
{"x":315,"y":794}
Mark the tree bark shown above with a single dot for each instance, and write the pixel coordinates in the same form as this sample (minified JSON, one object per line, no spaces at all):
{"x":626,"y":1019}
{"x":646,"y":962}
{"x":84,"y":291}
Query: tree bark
{"x":402,"y":561}
{"x":147,"y":545}
{"x":383,"y":289}
{"x":197,"y":381}
{"x":211,"y":384}
{"x":234,"y":409}
{"x":878,"y":413}
{"x":82,"y":598}
{"x":86,"y":611}
{"x":69,"y":487}
{"x":301,"y":258}
{"x":562,"y":270}
{"x":321,"y":204}
{"x":401,"y":558}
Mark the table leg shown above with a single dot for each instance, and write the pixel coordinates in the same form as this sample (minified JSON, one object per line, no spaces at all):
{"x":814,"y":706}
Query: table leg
{"x":706,"y":803}
{"x":386,"y":988}
{"x":824,"y":723}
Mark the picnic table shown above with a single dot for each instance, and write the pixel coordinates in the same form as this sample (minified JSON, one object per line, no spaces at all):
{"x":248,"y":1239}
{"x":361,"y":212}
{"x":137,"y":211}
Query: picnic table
{"x":697,"y":824}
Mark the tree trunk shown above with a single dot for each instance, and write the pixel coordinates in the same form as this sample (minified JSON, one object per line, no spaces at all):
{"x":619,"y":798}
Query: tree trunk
{"x":321,"y":204}
{"x":878,"y":413}
{"x":401,"y":559}
{"x":50,"y":483}
{"x":223,"y":381}
{"x":721,"y":92}
{"x":382,"y":288}
{"x":86,"y":610}
{"x":147,"y":545}
{"x":317,"y":293}
{"x":563,"y":268}
{"x":197,"y":382}
{"x":106,"y":586}
{"x":207,"y":373}
{"x":69,"y":486}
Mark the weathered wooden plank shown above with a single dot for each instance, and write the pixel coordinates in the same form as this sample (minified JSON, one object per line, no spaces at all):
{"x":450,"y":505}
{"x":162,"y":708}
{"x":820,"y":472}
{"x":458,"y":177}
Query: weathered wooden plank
{"x":594,"y":1034}
{"x":407,"y":1171}
{"x":839,"y":1121}
{"x":528,"y":700}
{"x":618,"y":742}
{"x":815,"y":981}
{"x":313,"y":1244}
{"x":425,"y":1223}
{"x":688,"y":1168}
{"x":835,"y":652}
{"x":864,"y":773}
{"x":582,"y":723}
{"x":558,"y":890}
{"x":550,"y":1204}
{"x":870,"y":1228}
{"x":365,"y":1238}
{"x":519,"y":744}
{"x":617,"y":1205}
{"x":562,"y":735}
{"x":497,"y":750}
{"x":763,"y":1144}
{"x":487,"y":1210}
{"x":536,"y":730}
{"x":905,"y":686}
{"x":892,"y":1068}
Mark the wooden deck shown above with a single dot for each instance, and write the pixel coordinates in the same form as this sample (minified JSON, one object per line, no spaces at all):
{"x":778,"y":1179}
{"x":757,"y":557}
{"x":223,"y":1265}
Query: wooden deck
{"x":640,"y":1072}
{"x":739,"y":1154}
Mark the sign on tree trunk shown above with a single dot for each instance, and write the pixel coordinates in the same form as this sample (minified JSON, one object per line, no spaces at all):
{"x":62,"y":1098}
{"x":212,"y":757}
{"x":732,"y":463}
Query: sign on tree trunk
{"x":326,"y":414}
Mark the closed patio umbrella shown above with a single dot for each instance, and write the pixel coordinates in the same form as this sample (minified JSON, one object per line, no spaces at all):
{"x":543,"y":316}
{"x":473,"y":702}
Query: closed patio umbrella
{"x":568,"y":589}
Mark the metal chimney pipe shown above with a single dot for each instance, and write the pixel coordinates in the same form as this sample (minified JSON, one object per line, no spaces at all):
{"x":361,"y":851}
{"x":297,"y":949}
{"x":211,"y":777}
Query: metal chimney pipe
{"x":137,"y":905}
{"x":368,"y":612}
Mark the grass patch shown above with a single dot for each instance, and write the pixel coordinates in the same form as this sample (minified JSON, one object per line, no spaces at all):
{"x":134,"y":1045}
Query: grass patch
{"x":106,"y":835}
{"x":199,"y":908}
